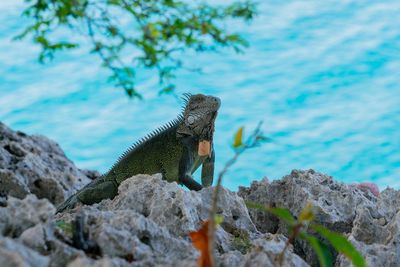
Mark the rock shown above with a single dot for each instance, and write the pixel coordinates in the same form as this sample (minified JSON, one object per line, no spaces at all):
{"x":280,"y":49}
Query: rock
{"x":134,"y":230}
{"x":374,"y":254}
{"x":370,"y":220}
{"x":378,"y":238}
{"x":179,"y":210}
{"x":149,"y":221}
{"x":35,"y":238}
{"x":151,"y":217}
{"x":19,"y":215}
{"x":371,"y":187}
{"x":3,"y":199}
{"x":13,"y":254}
{"x":135,"y":236}
{"x":104,"y":262}
{"x":336,"y":202}
{"x":37,"y":165}
{"x":62,"y":254}
{"x":266,"y":251}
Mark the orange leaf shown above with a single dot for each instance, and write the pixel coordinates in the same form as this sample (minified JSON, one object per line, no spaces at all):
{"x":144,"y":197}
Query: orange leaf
{"x":200,"y":242}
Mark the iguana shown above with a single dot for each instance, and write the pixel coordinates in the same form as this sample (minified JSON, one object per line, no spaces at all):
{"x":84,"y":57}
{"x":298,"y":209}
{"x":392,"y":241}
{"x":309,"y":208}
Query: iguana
{"x":175,"y":150}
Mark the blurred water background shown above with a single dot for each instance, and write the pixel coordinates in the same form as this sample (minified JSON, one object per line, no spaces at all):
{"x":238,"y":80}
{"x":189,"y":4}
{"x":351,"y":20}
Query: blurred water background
{"x":324,"y":77}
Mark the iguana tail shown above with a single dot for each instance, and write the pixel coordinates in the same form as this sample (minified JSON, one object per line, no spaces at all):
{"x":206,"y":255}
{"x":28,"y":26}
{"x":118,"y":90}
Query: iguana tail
{"x":70,"y":203}
{"x":94,"y":192}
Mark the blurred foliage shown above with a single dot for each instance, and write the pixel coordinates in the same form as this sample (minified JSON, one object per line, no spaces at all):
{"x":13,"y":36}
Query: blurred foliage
{"x":133,"y":34}
{"x":238,"y":138}
{"x":299,"y":229}
{"x":65,"y":227}
{"x":239,"y":146}
{"x":200,"y":242}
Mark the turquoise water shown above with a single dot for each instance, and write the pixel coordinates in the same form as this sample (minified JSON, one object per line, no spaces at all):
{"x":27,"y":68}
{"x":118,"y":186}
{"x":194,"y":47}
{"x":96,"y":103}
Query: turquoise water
{"x":324,"y":77}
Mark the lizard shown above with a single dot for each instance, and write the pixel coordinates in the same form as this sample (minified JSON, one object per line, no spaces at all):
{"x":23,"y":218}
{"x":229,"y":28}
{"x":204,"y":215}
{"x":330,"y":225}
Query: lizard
{"x":176,"y":150}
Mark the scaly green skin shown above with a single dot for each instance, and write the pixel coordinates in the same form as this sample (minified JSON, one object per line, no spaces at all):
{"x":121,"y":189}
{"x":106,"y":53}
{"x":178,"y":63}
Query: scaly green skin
{"x":172,"y":151}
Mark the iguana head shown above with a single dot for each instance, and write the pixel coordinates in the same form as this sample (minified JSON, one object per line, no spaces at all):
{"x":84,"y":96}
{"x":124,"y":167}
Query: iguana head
{"x":199,"y":116}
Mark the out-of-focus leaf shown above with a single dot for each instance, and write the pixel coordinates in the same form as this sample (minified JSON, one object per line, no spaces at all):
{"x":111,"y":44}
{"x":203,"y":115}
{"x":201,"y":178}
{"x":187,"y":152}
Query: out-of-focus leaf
{"x":262,"y":138}
{"x":200,"y":242}
{"x":307,"y":214}
{"x":167,"y":90}
{"x":324,"y":255}
{"x":238,"y":138}
{"x":341,"y":244}
{"x":218,"y":219}
{"x":281,"y":213}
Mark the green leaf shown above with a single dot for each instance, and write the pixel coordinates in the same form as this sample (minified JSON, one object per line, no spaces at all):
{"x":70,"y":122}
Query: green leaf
{"x":341,"y":244}
{"x":324,"y":255}
{"x":238,"y":138}
{"x":281,"y":213}
{"x":218,"y":219}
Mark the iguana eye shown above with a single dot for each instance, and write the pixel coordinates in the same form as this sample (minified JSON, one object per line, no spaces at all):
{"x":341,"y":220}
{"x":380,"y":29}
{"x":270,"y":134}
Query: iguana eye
{"x":190,"y":119}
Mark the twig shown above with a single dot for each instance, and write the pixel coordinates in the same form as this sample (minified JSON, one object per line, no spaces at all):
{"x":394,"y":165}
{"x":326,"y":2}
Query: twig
{"x":253,"y":141}
{"x":295,"y":233}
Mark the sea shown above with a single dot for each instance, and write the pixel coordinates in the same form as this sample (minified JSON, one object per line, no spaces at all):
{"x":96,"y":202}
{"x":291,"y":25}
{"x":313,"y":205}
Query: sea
{"x":322,"y":76}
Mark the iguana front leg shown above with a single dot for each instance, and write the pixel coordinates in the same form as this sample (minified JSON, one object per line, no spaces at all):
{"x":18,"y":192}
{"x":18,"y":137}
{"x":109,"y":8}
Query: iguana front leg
{"x":190,"y":183}
{"x":185,"y":167}
{"x":207,"y":170}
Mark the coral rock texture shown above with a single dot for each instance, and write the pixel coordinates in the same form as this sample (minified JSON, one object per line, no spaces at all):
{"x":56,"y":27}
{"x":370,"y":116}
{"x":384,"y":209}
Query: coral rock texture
{"x":149,"y":221}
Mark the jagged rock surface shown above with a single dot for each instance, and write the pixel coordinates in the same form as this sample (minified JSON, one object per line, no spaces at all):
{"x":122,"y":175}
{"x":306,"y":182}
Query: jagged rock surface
{"x":13,"y":253}
{"x":36,"y":165}
{"x":372,"y":223}
{"x":150,"y":219}
{"x":148,"y":222}
{"x":19,"y":215}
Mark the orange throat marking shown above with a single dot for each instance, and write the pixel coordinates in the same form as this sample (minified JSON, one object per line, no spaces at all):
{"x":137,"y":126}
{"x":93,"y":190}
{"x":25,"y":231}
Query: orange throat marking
{"x":204,"y":148}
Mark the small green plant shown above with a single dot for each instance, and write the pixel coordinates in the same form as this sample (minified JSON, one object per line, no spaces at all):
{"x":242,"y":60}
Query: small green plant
{"x":241,"y":241}
{"x":65,"y":227}
{"x":298,"y":229}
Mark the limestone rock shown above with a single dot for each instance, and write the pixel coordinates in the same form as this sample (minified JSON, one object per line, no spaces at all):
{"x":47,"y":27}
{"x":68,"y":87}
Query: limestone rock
{"x":266,"y":251}
{"x":14,"y":254}
{"x":371,"y":221}
{"x":179,"y":210}
{"x":37,"y":165}
{"x":151,"y":217}
{"x":34,"y":238}
{"x":21,"y":214}
{"x":149,"y":221}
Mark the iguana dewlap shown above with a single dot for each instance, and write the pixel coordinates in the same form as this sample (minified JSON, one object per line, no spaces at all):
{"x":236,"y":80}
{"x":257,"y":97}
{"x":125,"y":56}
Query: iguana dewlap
{"x":204,"y":148}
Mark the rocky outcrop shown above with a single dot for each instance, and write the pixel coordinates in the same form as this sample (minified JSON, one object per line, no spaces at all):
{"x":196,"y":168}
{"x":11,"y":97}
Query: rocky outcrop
{"x":146,"y":224}
{"x":371,"y":221}
{"x":149,"y":221}
{"x":36,"y":165}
